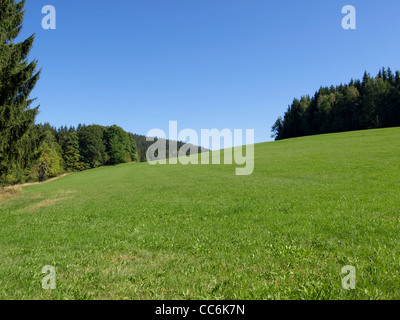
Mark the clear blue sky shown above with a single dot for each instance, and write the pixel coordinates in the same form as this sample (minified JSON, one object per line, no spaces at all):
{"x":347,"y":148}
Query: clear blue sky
{"x":205,"y":63}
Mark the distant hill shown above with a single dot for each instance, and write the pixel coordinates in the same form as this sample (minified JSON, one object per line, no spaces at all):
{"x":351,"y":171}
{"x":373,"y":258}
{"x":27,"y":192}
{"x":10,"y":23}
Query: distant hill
{"x":143,"y":145}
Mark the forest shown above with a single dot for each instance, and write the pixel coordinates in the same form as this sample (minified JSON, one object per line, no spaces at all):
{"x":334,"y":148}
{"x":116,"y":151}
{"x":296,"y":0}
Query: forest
{"x":36,"y":152}
{"x":373,"y":102}
{"x":47,"y":152}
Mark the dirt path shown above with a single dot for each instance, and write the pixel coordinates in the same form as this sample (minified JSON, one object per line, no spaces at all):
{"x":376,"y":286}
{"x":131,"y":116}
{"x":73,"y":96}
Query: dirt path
{"x":35,"y":183}
{"x":12,"y":191}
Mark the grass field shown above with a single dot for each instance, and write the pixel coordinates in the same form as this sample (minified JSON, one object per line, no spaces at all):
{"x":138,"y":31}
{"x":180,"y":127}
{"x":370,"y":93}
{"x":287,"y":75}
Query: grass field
{"x":312,"y":206}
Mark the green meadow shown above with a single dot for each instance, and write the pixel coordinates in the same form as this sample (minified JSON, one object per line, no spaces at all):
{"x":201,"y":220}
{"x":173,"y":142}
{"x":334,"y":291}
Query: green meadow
{"x":312,"y":206}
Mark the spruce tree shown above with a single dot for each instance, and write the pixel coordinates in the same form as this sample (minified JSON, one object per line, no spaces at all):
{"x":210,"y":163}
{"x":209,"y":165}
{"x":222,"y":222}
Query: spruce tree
{"x":71,"y":153}
{"x":384,"y":74}
{"x":390,"y":76}
{"x":365,"y":79}
{"x":397,"y":78}
{"x":367,"y":104}
{"x":18,"y":77}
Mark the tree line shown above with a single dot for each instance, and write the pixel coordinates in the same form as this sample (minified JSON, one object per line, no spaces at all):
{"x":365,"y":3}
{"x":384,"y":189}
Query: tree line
{"x":36,"y":152}
{"x":30,"y":152}
{"x":373,"y":102}
{"x":49,"y":152}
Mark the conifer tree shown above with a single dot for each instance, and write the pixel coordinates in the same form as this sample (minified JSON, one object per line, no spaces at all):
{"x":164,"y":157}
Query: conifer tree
{"x":384,"y":74}
{"x":397,"y":78}
{"x":18,"y":77}
{"x":371,"y":103}
{"x":365,"y":79}
{"x":71,"y":153}
{"x":390,"y":76}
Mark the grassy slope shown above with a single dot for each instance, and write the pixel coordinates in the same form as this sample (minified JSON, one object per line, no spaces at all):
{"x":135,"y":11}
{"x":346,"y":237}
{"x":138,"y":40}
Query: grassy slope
{"x":312,"y":206}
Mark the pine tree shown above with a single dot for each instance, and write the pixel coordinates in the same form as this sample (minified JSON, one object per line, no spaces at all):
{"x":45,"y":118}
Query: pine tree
{"x":365,"y":79}
{"x":397,"y":80}
{"x":371,"y":103}
{"x":390,"y":76}
{"x":384,"y":74}
{"x":18,"y":77}
{"x":277,"y":129}
{"x":71,"y":153}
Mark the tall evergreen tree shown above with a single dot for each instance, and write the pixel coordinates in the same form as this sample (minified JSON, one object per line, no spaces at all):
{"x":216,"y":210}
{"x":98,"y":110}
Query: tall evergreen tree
{"x":384,"y":74}
{"x":371,"y":103}
{"x":397,"y":78}
{"x":71,"y":153}
{"x":365,"y":79}
{"x":18,"y":77}
{"x":390,"y":76}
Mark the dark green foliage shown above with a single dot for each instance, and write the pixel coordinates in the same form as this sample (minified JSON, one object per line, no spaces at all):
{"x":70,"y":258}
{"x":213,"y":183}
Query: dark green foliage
{"x":120,"y":146}
{"x":367,"y":104}
{"x":142,"y":146}
{"x":72,"y":155}
{"x":277,"y":128}
{"x":92,"y":146}
{"x":48,"y":152}
{"x":397,"y":79}
{"x":18,"y":77}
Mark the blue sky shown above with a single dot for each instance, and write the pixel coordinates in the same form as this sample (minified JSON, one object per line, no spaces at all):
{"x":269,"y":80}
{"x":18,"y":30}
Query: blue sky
{"x":208,"y":64}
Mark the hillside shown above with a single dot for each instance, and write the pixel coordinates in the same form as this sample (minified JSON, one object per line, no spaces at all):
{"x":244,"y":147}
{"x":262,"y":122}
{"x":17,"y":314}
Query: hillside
{"x":142,"y":145}
{"x":312,"y":206}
